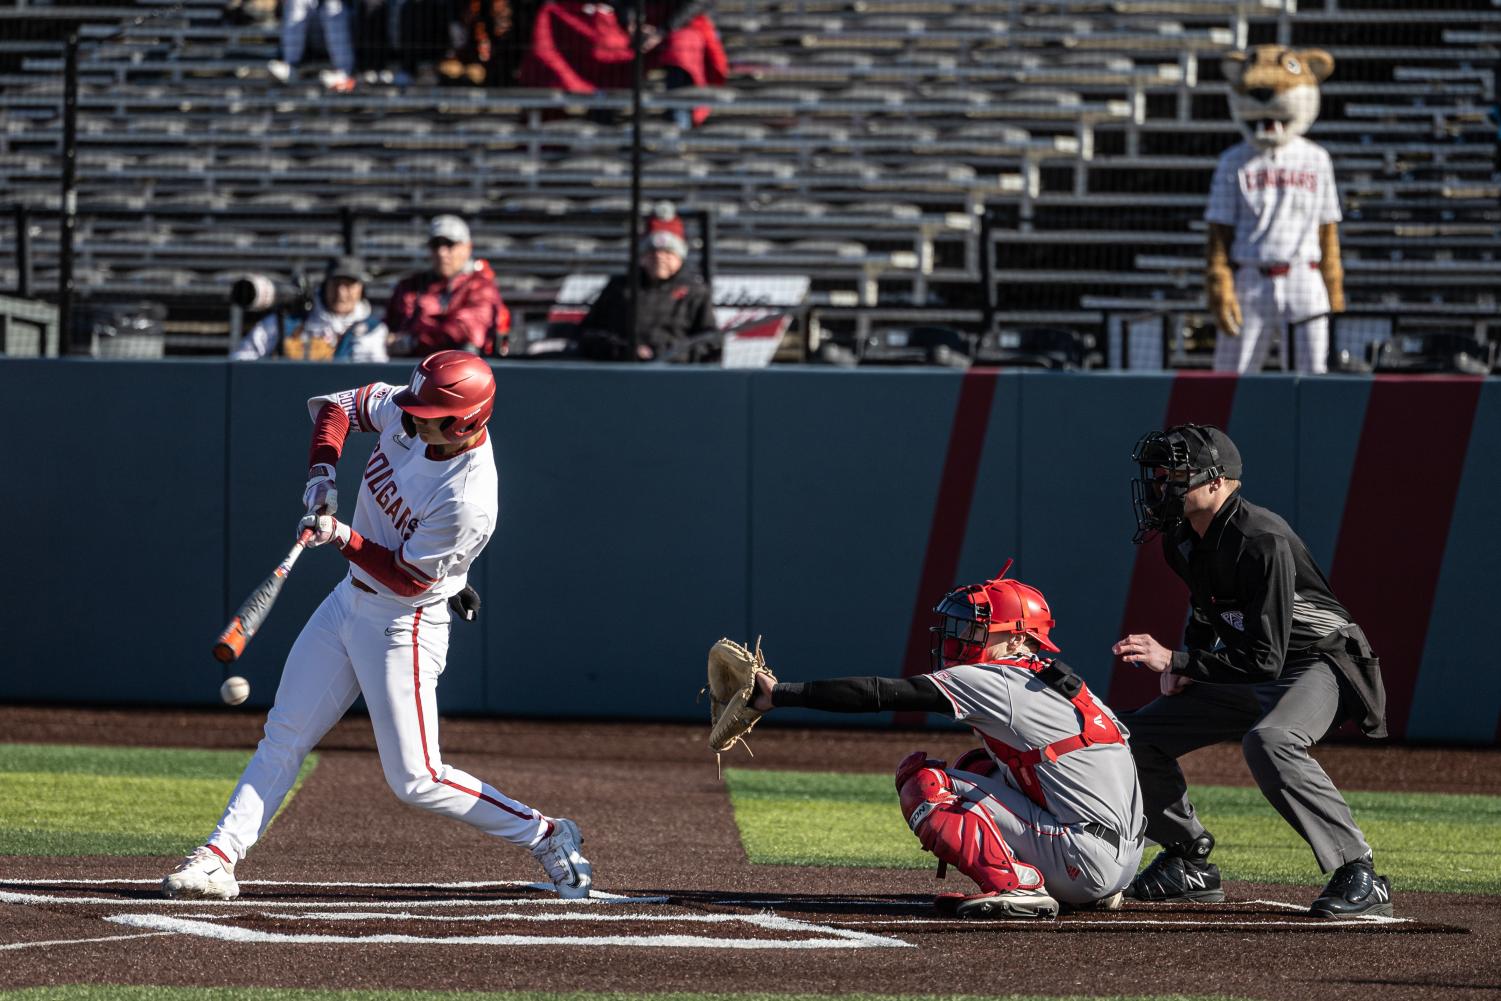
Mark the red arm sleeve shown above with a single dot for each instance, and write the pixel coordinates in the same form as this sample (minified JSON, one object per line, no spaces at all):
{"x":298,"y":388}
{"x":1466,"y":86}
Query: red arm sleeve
{"x":329,"y":432}
{"x":380,"y":563}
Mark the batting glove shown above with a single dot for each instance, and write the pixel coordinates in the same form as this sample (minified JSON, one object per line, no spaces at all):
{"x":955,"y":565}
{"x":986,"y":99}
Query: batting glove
{"x":320,"y":496}
{"x":465,"y":604}
{"x":326,"y":528}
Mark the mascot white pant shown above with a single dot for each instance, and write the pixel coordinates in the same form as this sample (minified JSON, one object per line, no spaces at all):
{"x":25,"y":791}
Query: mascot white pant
{"x":1275,"y":302}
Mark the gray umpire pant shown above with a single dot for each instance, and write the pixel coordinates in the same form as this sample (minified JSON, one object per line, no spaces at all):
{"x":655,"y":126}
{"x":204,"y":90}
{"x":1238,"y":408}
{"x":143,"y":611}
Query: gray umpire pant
{"x":1276,"y":723}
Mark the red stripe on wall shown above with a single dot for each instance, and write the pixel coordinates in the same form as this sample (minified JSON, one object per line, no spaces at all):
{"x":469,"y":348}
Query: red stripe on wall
{"x":1158,"y":601}
{"x":956,"y":491}
{"x":1396,"y":521}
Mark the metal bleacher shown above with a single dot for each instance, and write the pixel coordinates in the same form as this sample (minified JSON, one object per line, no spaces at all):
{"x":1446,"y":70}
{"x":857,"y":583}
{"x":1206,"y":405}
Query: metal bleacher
{"x":858,"y":141}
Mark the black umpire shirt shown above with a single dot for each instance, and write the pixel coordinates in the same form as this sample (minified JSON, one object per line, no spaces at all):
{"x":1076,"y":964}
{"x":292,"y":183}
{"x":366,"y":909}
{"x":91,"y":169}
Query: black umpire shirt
{"x":1255,"y":588}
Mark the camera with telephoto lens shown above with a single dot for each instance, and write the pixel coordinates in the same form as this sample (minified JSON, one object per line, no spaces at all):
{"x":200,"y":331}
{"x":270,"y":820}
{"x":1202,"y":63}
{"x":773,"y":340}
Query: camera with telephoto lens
{"x":259,"y":293}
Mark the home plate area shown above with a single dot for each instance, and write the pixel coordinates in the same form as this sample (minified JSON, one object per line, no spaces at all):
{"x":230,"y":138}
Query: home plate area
{"x":470,"y":913}
{"x":519,"y":914}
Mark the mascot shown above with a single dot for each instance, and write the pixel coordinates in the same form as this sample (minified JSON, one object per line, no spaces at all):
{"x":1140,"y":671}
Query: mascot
{"x":1272,"y":260}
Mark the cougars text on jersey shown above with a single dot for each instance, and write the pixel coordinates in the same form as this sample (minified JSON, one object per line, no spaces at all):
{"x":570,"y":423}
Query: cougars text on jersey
{"x":382,"y":486}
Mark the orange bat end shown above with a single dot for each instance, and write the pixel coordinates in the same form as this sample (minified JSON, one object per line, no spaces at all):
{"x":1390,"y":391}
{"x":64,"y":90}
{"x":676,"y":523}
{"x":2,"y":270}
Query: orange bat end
{"x":231,"y":643}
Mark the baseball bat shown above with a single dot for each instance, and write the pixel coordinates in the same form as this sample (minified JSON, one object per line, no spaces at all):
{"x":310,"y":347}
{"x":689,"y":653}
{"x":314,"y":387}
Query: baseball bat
{"x":244,"y":623}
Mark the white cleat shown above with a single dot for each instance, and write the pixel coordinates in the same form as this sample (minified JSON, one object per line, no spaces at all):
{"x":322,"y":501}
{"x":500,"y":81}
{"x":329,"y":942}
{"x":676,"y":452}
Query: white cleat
{"x":570,"y":872}
{"x":203,"y":875}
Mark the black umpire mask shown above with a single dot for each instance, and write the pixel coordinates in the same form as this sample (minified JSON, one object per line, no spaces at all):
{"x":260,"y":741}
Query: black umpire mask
{"x":1203,"y":452}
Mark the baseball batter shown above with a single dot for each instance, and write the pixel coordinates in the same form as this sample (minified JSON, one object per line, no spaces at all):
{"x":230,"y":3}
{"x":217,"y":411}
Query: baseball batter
{"x":1048,"y":810}
{"x":427,"y":505}
{"x":1273,"y":258}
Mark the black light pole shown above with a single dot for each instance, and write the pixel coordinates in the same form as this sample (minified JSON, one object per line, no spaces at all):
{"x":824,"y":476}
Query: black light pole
{"x":638,"y":62}
{"x":69,"y":214}
{"x":989,"y":300}
{"x":23,"y":251}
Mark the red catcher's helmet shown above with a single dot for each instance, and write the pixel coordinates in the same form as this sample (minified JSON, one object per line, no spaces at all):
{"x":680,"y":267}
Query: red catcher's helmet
{"x":452,"y":384}
{"x":969,"y":615}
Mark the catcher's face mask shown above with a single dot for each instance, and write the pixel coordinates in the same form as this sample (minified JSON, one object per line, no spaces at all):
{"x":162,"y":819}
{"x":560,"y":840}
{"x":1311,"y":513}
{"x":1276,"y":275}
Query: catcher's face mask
{"x":963,"y":627}
{"x":1167,"y":475}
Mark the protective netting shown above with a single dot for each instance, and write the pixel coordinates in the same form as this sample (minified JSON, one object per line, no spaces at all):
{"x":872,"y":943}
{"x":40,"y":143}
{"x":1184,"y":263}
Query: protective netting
{"x":929,"y":166}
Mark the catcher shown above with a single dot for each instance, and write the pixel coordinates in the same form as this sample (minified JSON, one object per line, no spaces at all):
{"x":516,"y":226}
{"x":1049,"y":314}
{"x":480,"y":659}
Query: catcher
{"x":1047,"y":811}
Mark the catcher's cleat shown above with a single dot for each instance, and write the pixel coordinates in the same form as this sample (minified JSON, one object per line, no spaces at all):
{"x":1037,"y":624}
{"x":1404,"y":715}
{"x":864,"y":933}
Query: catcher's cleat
{"x":1110,"y":903}
{"x":206,"y":874}
{"x":1180,"y":873}
{"x":570,"y":872}
{"x":1354,"y":890}
{"x":1033,"y":903}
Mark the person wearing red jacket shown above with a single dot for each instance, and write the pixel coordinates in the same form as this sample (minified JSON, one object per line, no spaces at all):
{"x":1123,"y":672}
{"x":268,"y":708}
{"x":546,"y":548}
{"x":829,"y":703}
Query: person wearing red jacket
{"x":454,"y":305}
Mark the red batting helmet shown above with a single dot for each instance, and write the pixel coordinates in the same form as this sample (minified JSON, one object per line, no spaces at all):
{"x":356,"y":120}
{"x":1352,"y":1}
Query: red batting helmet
{"x":452,"y":384}
{"x":969,"y":615}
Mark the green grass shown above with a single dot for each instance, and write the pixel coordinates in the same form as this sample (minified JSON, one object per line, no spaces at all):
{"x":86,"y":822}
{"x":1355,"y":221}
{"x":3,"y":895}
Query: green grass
{"x":1424,"y":841}
{"x":64,"y":800}
{"x":82,"y":992}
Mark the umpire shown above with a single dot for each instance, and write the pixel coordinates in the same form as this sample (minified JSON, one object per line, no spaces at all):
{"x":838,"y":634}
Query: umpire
{"x":1272,"y":658}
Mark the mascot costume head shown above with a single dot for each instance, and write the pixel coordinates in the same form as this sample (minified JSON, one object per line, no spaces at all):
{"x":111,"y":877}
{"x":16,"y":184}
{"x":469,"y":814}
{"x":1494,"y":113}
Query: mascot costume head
{"x":1274,"y":92}
{"x":1276,"y":184}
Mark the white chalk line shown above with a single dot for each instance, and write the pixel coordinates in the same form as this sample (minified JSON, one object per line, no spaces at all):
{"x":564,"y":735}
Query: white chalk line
{"x":209,"y":925}
{"x":81,"y":941}
{"x":1311,"y":924}
{"x":707,"y":919}
{"x":597,"y":899}
{"x":429,"y":885}
{"x":835,"y":938}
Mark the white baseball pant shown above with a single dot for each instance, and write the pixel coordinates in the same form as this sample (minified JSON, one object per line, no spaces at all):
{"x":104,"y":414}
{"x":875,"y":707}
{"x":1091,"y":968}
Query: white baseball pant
{"x":1077,"y":866}
{"x":361,"y":643}
{"x":1268,"y":304}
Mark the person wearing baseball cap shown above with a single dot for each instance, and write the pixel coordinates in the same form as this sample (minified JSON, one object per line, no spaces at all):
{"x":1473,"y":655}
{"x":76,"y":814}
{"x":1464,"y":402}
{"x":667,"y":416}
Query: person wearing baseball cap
{"x":673,"y":306}
{"x":1272,"y":660}
{"x":454,"y":304}
{"x":335,"y":325}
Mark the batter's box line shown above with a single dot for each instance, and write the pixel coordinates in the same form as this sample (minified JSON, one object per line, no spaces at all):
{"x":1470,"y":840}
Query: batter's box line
{"x":462,"y":885}
{"x":596,"y":898}
{"x":833,"y":938}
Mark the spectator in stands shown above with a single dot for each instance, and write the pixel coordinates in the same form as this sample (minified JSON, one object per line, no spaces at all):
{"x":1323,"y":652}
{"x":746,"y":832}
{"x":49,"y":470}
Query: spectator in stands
{"x":338,"y":326}
{"x":674,"y":305}
{"x":482,"y":40}
{"x":582,"y":47}
{"x":452,"y":305}
{"x":335,"y":17}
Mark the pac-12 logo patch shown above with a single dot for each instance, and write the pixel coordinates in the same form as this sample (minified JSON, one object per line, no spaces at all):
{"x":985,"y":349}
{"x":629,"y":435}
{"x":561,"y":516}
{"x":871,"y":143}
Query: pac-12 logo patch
{"x":1237,"y":620}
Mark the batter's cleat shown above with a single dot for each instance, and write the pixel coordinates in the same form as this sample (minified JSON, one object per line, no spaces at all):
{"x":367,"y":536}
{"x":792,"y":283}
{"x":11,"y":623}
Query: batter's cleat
{"x":1354,"y":890}
{"x":1180,"y":873}
{"x":206,"y":874}
{"x":1033,"y":903}
{"x":570,"y":872}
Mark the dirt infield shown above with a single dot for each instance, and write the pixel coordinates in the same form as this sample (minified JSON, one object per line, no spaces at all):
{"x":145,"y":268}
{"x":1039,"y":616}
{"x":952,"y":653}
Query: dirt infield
{"x":352,"y":890}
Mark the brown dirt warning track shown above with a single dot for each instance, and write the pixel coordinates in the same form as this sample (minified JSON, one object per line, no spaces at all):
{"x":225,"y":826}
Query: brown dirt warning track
{"x":352,"y":890}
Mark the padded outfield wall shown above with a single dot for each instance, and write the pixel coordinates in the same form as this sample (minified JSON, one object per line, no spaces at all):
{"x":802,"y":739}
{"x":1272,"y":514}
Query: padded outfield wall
{"x":646,"y":512}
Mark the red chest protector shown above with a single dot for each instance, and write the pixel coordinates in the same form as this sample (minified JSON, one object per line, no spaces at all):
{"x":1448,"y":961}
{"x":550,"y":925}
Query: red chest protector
{"x":1098,"y":727}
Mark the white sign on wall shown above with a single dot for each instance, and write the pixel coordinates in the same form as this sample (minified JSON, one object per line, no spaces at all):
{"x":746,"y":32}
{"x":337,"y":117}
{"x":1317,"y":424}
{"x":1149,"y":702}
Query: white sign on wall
{"x":753,"y":310}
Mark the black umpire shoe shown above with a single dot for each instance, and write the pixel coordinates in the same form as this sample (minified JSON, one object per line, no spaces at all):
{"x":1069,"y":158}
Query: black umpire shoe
{"x":1180,"y":873}
{"x":1354,"y":889}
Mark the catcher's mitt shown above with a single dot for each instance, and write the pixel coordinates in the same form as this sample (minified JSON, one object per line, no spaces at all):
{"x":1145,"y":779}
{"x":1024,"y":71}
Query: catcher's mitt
{"x":732,"y":686}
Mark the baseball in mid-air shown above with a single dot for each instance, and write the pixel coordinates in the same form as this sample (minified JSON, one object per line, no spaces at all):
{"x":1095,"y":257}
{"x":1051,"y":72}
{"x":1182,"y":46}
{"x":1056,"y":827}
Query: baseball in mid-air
{"x":234,"y":690}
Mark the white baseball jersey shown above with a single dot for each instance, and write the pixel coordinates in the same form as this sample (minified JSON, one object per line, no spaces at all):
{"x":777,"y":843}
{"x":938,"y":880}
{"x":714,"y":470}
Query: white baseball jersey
{"x":1276,"y":199}
{"x":1010,"y":704}
{"x":436,"y":515}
